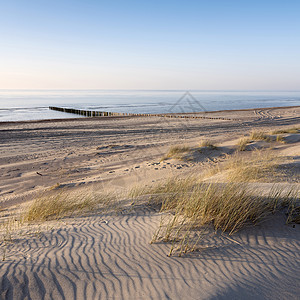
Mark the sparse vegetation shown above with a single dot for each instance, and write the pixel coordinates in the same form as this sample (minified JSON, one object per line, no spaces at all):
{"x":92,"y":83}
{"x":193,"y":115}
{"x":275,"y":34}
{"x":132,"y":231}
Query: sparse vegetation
{"x":288,"y":130}
{"x":228,"y":207}
{"x":253,"y":136}
{"x":242,"y":143}
{"x":194,"y":204}
{"x":279,"y":138}
{"x":257,"y":166}
{"x":52,"y":205}
{"x":182,"y":152}
{"x":259,"y":136}
{"x":176,"y":152}
{"x":62,"y":204}
{"x":189,"y":204}
{"x":293,"y":211}
{"x":164,"y":188}
{"x":11,"y":228}
{"x":207,"y":144}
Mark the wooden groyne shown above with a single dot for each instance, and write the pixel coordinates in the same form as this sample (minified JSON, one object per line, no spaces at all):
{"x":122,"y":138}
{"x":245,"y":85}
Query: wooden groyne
{"x":88,"y":113}
{"x":93,"y":113}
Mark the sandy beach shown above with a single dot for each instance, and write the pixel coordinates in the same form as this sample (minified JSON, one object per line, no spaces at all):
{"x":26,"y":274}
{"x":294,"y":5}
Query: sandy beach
{"x":108,"y":255}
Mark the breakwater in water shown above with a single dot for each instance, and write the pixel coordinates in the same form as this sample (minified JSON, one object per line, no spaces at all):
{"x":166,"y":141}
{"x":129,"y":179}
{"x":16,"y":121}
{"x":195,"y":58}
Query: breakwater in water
{"x":93,"y":113}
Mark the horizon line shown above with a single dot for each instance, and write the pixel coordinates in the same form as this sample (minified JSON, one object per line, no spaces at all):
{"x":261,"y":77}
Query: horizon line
{"x":162,"y":90}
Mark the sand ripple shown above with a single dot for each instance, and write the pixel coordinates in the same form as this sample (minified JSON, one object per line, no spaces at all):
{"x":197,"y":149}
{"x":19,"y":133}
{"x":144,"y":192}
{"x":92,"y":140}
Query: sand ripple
{"x":111,"y":258}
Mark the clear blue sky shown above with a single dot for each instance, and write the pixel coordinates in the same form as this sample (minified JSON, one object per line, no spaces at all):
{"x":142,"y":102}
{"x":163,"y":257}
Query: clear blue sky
{"x":221,"y":44}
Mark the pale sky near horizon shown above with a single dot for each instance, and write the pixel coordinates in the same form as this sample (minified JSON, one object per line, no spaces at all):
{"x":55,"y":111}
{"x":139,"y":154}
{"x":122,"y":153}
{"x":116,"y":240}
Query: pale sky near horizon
{"x":150,"y":44}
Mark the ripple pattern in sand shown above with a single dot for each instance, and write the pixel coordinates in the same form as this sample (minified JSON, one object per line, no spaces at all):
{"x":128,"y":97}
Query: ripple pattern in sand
{"x":112,"y":259}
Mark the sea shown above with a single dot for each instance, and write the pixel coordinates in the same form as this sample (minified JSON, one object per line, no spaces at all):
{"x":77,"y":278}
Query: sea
{"x":23,"y":105}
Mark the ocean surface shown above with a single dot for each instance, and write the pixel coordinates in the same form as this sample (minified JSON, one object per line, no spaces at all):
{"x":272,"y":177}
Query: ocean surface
{"x":20,"y":105}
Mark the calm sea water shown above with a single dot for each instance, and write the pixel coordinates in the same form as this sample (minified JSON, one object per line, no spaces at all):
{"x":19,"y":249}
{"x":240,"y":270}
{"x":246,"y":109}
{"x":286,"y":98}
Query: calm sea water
{"x":33,"y":104}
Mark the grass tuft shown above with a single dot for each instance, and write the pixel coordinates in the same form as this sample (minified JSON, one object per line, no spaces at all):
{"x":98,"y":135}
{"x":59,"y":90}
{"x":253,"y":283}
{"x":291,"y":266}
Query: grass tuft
{"x":280,"y":138}
{"x":253,"y":136}
{"x":181,"y":152}
{"x":62,"y":204}
{"x":207,"y":144}
{"x":228,"y":207}
{"x":258,"y":166}
{"x":255,"y":166}
{"x":288,"y":130}
{"x":259,"y":136}
{"x":242,"y":143}
{"x":293,"y":211}
{"x":176,"y":152}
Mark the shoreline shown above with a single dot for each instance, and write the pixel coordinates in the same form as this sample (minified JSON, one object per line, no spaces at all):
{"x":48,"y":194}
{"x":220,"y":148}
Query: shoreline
{"x":142,"y":115}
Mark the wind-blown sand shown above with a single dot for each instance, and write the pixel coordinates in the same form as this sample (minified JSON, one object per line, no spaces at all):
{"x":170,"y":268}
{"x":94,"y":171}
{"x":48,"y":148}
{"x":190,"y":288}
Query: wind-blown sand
{"x":92,"y":259}
{"x":109,"y":256}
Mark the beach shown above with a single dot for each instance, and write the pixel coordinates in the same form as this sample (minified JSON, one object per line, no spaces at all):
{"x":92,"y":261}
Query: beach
{"x":108,"y":255}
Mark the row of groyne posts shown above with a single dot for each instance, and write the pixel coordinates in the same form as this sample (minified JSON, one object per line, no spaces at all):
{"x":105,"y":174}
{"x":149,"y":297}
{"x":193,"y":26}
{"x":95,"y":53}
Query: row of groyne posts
{"x":92,"y":113}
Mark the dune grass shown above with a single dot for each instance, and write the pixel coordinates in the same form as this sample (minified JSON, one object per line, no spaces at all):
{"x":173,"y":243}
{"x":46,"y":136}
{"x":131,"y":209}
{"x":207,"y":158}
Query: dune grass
{"x":207,"y":144}
{"x":287,"y":130}
{"x":259,"y":136}
{"x":51,"y":205}
{"x":254,"y":135}
{"x":181,"y":152}
{"x":193,"y":204}
{"x":176,"y":152}
{"x":12,"y":227}
{"x":242,"y":143}
{"x":167,"y":187}
{"x":257,"y":166}
{"x":254,"y":166}
{"x":280,"y":138}
{"x":293,"y":211}
{"x":61,"y":204}
{"x":227,"y":206}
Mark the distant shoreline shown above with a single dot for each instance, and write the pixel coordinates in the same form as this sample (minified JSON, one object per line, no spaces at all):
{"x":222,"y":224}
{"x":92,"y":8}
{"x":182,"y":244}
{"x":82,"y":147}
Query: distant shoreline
{"x":244,"y":109}
{"x":132,"y":116}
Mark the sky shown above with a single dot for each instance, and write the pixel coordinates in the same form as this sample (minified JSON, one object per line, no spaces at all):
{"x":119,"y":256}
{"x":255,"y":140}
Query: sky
{"x":208,"y":45}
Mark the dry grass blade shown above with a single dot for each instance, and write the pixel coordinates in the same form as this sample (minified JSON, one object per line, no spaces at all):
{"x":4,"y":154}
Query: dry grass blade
{"x":163,"y":189}
{"x":259,"y":136}
{"x":176,"y":152}
{"x":228,"y":207}
{"x":279,"y":138}
{"x":242,"y":143}
{"x":258,"y":166}
{"x":253,"y":136}
{"x":61,"y":204}
{"x":288,"y":130}
{"x":293,"y":208}
{"x":207,"y":144}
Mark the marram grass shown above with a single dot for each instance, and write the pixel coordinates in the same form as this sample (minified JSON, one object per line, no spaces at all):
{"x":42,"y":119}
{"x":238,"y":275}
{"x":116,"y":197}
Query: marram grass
{"x":255,"y":166}
{"x":228,"y":207}
{"x":259,"y":136}
{"x":176,"y":152}
{"x":287,"y":130}
{"x":61,"y":204}
{"x":207,"y":144}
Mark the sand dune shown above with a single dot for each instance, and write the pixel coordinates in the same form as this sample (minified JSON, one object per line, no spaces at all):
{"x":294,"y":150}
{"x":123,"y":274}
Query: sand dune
{"x":105,"y":257}
{"x":87,"y":151}
{"x":108,"y":256}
